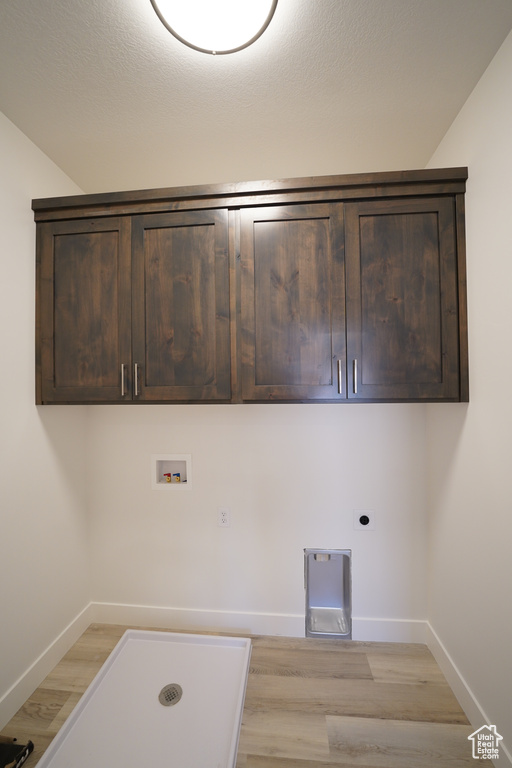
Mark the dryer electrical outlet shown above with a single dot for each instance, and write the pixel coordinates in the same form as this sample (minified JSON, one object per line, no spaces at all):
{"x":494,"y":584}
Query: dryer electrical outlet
{"x":364,"y":519}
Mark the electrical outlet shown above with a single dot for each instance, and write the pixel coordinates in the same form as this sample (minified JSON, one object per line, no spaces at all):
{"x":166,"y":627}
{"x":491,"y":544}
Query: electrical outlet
{"x":223,"y":517}
{"x":364,"y":519}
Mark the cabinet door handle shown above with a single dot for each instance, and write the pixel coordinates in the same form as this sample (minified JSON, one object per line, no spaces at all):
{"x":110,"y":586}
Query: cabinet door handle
{"x":340,"y":380}
{"x":123,"y":387}
{"x":136,"y":379}
{"x":355,"y":375}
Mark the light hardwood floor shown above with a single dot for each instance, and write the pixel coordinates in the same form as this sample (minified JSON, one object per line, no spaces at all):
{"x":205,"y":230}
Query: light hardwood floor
{"x":309,"y":704}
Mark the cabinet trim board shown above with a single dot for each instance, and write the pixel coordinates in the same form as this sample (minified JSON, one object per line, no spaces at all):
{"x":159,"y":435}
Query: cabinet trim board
{"x":251,"y":193}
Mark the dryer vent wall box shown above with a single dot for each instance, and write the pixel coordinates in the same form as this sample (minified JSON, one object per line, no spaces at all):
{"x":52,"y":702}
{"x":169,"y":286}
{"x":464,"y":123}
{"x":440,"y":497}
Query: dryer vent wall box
{"x":328,"y":593}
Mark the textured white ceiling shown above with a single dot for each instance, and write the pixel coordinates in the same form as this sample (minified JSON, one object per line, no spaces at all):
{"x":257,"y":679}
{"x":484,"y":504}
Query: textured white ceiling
{"x":333,"y":86}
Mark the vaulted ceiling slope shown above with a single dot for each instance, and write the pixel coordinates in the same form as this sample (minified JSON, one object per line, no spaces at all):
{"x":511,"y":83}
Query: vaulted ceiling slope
{"x":333,"y":86}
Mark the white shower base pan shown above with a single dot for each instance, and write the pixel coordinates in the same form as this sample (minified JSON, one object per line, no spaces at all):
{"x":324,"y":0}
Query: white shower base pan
{"x":120,"y":722}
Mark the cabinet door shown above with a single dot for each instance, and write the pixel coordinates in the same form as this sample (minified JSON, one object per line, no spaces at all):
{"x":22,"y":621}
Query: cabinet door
{"x":402,"y":314}
{"x":181,"y":338}
{"x":292,"y":303}
{"x":83,"y":311}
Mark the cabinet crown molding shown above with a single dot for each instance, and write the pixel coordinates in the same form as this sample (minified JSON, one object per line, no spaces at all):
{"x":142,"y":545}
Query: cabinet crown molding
{"x":435,"y":181}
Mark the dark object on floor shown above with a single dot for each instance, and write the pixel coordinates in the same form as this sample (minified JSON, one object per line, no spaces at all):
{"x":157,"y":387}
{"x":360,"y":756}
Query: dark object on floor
{"x":12,"y":754}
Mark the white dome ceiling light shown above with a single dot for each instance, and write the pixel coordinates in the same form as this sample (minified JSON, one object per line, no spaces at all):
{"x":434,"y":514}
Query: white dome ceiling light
{"x":215,"y":26}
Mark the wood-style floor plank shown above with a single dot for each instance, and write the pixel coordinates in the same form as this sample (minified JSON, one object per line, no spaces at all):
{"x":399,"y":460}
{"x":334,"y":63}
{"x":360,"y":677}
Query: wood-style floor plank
{"x":302,"y":662}
{"x":301,"y":736}
{"x":358,"y":698}
{"x":310,"y":703}
{"x":407,"y":668}
{"x":72,"y":676}
{"x":397,"y":743}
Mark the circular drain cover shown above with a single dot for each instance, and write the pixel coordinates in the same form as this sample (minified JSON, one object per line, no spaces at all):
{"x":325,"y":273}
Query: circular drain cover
{"x":170,"y":694}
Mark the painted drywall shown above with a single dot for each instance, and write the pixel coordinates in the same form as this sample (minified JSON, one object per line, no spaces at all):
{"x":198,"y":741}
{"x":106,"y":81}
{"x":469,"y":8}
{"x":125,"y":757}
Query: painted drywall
{"x":470,"y":528}
{"x":44,"y":561}
{"x":291,"y":476}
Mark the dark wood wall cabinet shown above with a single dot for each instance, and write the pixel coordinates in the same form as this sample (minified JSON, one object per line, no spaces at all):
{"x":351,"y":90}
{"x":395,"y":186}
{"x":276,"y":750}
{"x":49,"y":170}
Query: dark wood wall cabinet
{"x":327,"y":289}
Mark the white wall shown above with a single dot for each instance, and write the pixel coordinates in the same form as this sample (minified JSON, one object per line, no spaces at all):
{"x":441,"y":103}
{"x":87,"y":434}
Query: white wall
{"x":44,"y":561}
{"x":82,"y":523}
{"x":470,"y":536}
{"x":292,"y":476}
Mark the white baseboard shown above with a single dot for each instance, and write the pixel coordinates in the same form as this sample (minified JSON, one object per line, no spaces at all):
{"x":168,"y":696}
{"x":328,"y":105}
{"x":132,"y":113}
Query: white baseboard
{"x":389,"y":630}
{"x":288,"y":625}
{"x":20,"y":691}
{"x":461,"y":689}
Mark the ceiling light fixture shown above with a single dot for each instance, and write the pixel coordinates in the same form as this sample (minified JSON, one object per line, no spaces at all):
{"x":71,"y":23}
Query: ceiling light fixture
{"x":215,"y":26}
